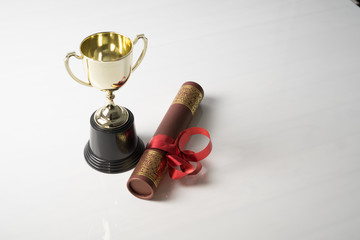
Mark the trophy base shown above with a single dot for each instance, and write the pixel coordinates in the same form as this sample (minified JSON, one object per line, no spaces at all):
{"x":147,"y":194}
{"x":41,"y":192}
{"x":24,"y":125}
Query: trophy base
{"x":113,"y":150}
{"x":117,"y":166}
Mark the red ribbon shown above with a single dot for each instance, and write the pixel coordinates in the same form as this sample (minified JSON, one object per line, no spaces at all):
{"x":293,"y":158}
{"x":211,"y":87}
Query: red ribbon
{"x":176,"y":154}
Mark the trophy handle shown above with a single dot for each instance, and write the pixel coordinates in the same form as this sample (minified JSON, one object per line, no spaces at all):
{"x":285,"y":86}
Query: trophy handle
{"x":143,"y":51}
{"x":73,"y":54}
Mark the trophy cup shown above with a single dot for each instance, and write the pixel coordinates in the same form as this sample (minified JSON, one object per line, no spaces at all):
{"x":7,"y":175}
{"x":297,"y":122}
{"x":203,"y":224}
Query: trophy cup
{"x":107,"y":58}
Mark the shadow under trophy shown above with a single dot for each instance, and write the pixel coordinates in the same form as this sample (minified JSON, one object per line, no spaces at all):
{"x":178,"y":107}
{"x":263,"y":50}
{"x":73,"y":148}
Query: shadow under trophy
{"x":114,"y":146}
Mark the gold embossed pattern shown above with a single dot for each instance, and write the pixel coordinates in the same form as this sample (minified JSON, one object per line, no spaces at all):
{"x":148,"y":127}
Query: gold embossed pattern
{"x":189,"y":96}
{"x":152,"y":167}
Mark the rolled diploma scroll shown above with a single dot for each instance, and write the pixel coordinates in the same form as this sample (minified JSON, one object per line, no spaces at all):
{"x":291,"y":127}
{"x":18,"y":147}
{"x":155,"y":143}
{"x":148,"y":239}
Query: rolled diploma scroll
{"x":152,"y":165}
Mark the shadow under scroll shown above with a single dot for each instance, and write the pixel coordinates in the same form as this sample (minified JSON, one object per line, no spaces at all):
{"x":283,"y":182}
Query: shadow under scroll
{"x":204,"y":116}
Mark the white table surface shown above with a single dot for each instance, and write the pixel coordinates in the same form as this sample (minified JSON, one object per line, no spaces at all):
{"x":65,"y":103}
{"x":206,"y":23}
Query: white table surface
{"x":282,"y":104}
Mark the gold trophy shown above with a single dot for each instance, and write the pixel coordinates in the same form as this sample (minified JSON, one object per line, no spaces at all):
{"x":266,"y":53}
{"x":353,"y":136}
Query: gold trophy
{"x":108,"y":62}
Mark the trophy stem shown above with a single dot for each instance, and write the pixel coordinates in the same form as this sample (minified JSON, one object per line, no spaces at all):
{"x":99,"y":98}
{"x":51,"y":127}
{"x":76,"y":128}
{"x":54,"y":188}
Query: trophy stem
{"x":111,"y":115}
{"x":110,"y":96}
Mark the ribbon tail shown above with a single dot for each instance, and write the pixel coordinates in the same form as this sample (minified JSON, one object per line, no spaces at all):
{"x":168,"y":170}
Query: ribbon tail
{"x":197,"y":169}
{"x":185,"y":167}
{"x":176,"y":174}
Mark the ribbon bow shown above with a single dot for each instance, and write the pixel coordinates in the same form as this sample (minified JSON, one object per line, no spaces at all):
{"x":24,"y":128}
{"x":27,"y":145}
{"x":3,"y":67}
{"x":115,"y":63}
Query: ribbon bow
{"x":176,"y":155}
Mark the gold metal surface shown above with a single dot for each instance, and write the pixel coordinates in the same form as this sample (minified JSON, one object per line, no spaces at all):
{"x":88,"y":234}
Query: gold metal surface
{"x":107,"y":59}
{"x":140,"y":36}
{"x":189,"y":96}
{"x":68,"y":56}
{"x":106,"y":47}
{"x":111,"y":116}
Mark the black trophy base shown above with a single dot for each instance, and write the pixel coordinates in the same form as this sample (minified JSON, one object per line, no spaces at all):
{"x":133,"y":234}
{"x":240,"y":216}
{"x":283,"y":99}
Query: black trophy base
{"x":113,"y":166}
{"x":113,"y":150}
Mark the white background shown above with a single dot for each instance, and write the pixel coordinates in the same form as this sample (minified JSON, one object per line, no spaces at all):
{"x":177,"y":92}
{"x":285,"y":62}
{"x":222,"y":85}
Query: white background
{"x":282,"y":104}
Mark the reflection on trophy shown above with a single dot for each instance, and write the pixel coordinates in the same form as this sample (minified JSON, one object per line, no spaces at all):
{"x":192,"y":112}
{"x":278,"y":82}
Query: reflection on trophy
{"x":107,"y":58}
